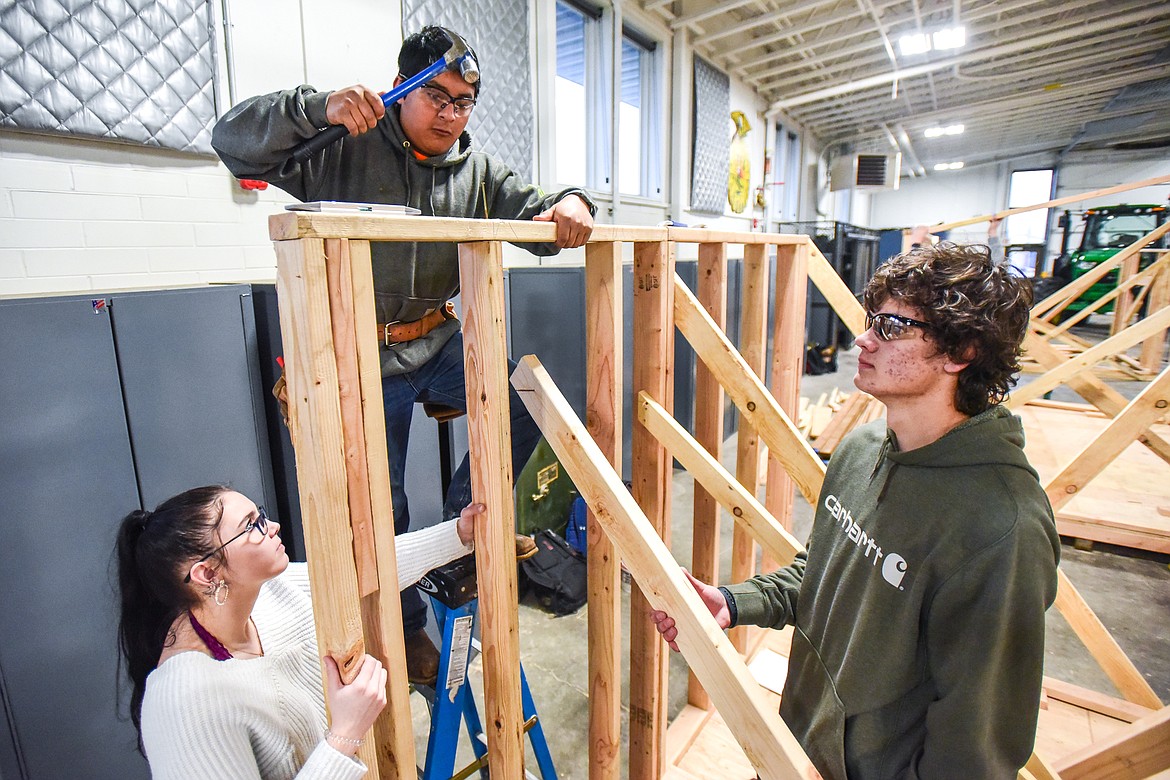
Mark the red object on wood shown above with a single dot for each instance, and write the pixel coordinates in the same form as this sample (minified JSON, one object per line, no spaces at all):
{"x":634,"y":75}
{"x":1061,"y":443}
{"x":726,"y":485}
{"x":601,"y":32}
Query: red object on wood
{"x":253,"y":184}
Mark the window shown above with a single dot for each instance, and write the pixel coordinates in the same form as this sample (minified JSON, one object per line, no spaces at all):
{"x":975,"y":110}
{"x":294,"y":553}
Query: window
{"x":785,"y":177}
{"x":570,"y":96}
{"x":1028,"y":188}
{"x":584,"y":106}
{"x":639,"y":144}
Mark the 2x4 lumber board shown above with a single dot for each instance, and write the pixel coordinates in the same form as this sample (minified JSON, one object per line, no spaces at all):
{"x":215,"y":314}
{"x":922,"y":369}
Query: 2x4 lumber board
{"x":1052,"y":203}
{"x":338,"y":270}
{"x":748,"y":393}
{"x":1142,"y":412}
{"x":1092,"y":389}
{"x":1138,"y":750}
{"x":1108,"y":531}
{"x":753,"y":339}
{"x":1070,"y":292}
{"x":603,"y":372}
{"x":1086,"y":699}
{"x":712,"y":271}
{"x":768,"y":743}
{"x":1101,"y":644}
{"x":1126,"y":301}
{"x":705,"y":236}
{"x":1136,"y":333}
{"x":683,"y":731}
{"x":1040,"y":769}
{"x":707,"y":471}
{"x":315,"y":425}
{"x":381,"y":611}
{"x":788,"y":349}
{"x":489,"y":435}
{"x":836,"y":292}
{"x":392,"y":227}
{"x":1151,"y":357}
{"x":650,"y":471}
{"x":1143,"y":278}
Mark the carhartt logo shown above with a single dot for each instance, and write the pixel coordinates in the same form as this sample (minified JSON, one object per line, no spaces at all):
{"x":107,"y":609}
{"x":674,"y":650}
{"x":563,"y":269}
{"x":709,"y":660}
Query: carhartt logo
{"x":893,"y":567}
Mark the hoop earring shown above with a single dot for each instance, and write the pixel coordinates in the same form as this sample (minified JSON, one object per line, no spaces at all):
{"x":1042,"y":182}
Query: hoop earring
{"x":221,"y":593}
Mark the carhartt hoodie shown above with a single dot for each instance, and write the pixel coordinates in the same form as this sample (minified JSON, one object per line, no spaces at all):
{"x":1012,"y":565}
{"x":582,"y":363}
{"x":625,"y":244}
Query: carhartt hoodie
{"x":919,"y":607}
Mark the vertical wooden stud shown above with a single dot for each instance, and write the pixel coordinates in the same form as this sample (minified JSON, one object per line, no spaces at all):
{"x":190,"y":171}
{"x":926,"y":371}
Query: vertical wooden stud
{"x":650,"y":470}
{"x":381,"y":611}
{"x":712,"y":294}
{"x":603,"y":376}
{"x":338,"y":272}
{"x":1159,"y":297}
{"x":481,"y":279}
{"x":1123,"y":306}
{"x":787,"y":365}
{"x":316,"y":428}
{"x":753,"y":344}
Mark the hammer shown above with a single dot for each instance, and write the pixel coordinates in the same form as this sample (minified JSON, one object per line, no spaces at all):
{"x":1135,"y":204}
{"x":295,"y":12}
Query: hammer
{"x":458,"y":56}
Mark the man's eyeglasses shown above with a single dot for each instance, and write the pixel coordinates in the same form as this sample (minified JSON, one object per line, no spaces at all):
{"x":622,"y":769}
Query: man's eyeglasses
{"x":440,"y":98}
{"x":260,"y":523}
{"x":891,"y":327}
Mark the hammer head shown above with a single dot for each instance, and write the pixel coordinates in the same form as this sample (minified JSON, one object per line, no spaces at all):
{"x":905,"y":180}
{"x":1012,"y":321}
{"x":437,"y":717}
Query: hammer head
{"x":460,"y":55}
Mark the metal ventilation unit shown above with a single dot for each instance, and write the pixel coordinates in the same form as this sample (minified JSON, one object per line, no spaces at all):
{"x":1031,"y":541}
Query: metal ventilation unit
{"x":865,"y":172}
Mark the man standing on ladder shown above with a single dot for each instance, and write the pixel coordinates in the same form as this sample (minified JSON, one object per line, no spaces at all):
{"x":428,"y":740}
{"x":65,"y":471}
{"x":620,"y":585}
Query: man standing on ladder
{"x":415,"y":153}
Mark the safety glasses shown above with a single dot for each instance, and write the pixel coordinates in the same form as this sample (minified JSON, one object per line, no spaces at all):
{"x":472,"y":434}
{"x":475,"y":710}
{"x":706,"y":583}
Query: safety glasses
{"x":891,"y":327}
{"x":440,"y":98}
{"x":259,"y":523}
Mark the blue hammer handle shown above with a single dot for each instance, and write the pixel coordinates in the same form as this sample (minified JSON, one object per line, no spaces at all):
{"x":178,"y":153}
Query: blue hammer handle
{"x":336,"y":132}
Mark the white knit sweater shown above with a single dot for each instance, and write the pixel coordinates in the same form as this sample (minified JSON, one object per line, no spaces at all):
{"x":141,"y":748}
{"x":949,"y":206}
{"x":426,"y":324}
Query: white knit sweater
{"x":264,"y":717}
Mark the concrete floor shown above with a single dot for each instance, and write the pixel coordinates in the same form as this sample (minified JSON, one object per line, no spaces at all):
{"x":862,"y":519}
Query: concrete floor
{"x":1129,"y":590}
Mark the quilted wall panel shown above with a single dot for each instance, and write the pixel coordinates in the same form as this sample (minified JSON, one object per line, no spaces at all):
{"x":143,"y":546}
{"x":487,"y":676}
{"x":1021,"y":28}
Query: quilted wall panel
{"x":711,"y":150}
{"x":133,"y":70}
{"x":503,"y":121}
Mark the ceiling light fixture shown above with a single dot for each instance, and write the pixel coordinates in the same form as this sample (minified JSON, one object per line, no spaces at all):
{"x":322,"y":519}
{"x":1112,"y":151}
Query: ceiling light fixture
{"x":914,"y":43}
{"x":950,"y":38}
{"x":951,"y":166}
{"x":940,"y":40}
{"x":935,"y":132}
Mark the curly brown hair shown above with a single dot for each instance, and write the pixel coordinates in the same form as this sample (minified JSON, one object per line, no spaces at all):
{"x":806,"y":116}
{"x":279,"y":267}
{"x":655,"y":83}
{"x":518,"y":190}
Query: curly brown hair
{"x":977,"y":311}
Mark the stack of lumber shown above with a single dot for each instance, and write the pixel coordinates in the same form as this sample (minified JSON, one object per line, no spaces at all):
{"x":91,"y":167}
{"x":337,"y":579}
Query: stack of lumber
{"x":834,"y":415}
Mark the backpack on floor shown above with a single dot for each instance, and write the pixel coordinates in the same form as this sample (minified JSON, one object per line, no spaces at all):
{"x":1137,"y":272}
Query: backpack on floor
{"x":556,"y":574}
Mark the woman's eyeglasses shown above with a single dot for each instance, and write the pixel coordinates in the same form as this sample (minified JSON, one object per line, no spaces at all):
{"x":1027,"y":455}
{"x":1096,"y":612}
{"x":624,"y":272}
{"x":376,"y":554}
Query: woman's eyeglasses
{"x":440,"y":98}
{"x":891,"y":327}
{"x":260,"y":523}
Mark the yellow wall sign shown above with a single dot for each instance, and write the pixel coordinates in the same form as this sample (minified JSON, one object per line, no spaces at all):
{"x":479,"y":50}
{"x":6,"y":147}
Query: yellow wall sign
{"x":739,"y":174}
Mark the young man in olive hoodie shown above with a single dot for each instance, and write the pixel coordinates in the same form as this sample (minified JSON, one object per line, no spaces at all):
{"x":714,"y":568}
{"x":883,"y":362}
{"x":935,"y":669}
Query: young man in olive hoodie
{"x":919,"y":605}
{"x":415,"y":154}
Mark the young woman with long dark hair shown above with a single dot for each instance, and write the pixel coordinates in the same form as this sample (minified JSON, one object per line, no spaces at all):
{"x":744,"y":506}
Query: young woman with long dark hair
{"x":218,"y":642}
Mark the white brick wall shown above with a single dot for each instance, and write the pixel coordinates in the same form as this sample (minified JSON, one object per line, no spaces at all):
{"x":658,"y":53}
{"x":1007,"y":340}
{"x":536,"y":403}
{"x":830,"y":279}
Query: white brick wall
{"x":79,"y":216}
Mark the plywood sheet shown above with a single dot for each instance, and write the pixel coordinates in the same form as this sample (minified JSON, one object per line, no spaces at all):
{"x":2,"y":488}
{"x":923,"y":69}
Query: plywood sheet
{"x":1127,"y":504}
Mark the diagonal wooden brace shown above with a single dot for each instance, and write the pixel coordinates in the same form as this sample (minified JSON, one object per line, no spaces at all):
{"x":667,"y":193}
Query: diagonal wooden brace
{"x":768,"y":743}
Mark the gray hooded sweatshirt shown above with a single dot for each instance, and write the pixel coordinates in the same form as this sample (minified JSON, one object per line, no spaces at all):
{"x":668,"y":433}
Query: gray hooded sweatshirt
{"x":255,"y":141}
{"x":919,"y":607}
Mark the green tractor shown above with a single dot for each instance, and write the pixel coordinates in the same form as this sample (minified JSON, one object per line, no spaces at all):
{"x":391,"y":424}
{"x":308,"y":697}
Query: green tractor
{"x":1107,"y":230}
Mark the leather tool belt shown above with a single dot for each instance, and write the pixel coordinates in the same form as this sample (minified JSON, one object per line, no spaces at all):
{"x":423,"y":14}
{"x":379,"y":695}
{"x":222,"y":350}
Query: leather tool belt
{"x":390,"y":333}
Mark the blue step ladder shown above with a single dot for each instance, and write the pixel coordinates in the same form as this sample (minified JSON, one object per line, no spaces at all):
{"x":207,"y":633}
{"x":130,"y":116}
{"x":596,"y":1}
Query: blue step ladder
{"x":454,"y":600}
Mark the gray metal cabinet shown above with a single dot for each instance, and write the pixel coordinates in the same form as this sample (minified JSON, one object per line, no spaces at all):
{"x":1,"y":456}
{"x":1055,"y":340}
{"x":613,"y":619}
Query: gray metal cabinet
{"x":66,"y":477}
{"x":106,"y":404}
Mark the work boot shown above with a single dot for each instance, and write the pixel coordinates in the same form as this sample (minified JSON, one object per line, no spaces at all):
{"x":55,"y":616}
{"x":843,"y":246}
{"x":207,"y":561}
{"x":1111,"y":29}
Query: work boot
{"x":525,"y":547}
{"x":422,"y":659}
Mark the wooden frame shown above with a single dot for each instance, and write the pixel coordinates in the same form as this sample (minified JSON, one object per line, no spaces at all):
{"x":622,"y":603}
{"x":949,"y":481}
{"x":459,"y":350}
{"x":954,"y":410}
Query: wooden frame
{"x":327,"y":319}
